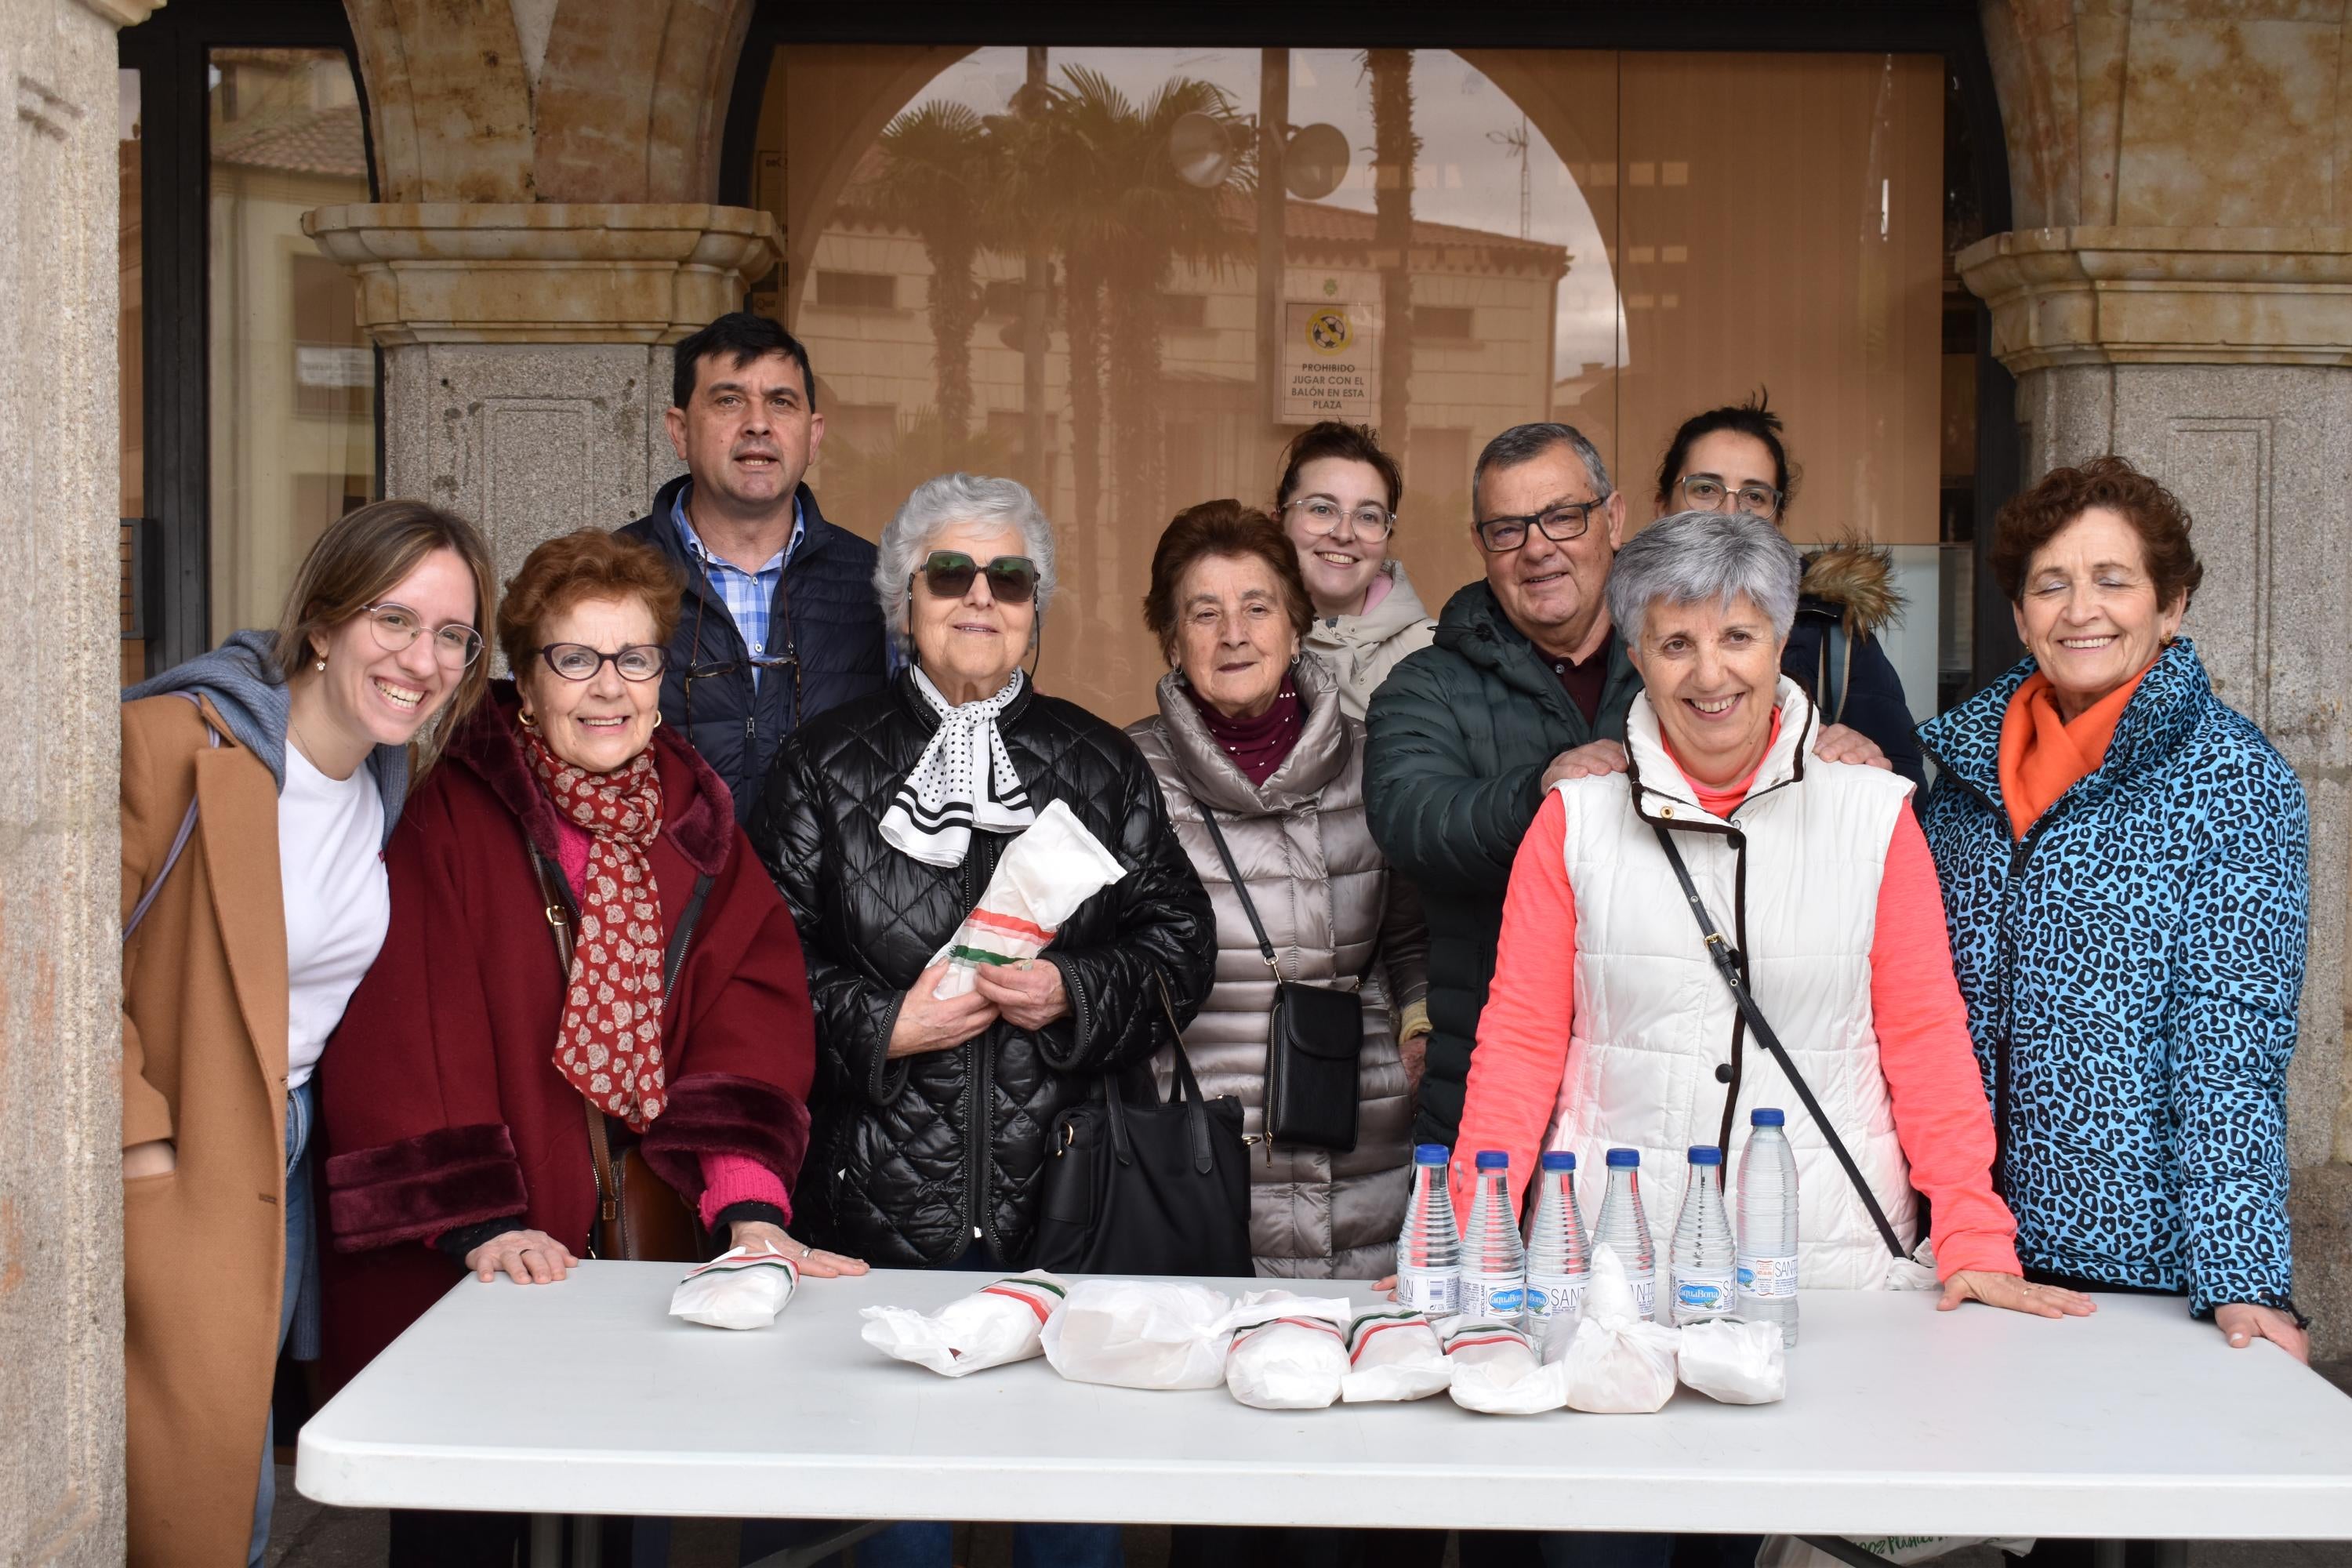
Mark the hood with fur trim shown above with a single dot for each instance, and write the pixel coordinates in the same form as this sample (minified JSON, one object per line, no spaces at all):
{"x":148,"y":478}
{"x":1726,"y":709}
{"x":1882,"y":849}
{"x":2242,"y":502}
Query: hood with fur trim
{"x":1854,"y":581}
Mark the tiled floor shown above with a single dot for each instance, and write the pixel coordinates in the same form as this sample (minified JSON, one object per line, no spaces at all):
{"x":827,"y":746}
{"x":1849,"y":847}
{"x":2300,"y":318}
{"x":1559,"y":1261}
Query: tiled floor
{"x":306,"y":1535}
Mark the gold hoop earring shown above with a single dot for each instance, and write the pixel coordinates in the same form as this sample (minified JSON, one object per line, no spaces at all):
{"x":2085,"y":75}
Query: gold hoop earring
{"x":524,"y":719}
{"x":657,"y":717}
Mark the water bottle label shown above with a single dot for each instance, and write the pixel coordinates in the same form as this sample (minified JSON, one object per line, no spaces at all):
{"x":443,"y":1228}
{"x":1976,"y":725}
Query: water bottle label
{"x":1558,"y":1296}
{"x":1438,"y":1294}
{"x":1493,"y":1296}
{"x":1768,"y":1277}
{"x":1645,"y":1295}
{"x":1704,"y":1295}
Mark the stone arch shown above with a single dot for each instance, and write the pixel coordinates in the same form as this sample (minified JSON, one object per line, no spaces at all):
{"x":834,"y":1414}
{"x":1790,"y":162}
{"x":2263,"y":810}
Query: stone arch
{"x":612,"y":130}
{"x":448,"y":98}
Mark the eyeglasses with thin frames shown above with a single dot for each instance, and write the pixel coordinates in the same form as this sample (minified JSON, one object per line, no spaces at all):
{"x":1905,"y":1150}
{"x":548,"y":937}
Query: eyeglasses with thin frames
{"x":578,"y":661}
{"x":1560,"y":522}
{"x":1707,"y":492}
{"x":1323,"y":514}
{"x":397,"y":628}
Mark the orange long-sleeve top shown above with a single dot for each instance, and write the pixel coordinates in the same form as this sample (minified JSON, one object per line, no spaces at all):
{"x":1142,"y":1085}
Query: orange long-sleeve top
{"x":1941,"y":1115}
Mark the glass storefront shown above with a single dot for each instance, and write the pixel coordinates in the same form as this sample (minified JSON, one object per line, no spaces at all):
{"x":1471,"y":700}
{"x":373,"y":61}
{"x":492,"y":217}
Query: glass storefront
{"x":292,"y":380}
{"x":1129,"y":276}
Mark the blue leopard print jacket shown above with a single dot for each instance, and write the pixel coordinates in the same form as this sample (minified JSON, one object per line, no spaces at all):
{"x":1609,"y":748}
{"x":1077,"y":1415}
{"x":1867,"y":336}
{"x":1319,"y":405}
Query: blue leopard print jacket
{"x":2131,"y":970}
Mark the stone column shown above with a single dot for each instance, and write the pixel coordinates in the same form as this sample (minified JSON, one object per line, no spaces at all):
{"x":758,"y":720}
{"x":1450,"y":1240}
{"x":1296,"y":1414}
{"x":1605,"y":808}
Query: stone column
{"x":2151,"y":305}
{"x":60,"y":992}
{"x":527,"y":364}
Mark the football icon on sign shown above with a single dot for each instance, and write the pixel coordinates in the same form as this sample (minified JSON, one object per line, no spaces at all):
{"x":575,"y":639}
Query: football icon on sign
{"x":1328,"y":332}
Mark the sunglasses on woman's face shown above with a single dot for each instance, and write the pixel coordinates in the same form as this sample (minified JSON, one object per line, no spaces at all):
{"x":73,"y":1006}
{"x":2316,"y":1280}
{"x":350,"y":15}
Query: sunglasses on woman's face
{"x":1012,"y":579}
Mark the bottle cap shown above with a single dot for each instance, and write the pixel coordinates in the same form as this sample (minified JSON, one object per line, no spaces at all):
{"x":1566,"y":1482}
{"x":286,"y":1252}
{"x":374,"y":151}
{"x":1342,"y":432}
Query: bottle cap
{"x":1560,"y":1160}
{"x":1766,"y":1117}
{"x":1431,"y":1154}
{"x":1494,"y":1160}
{"x":1624,"y":1159}
{"x":1705,"y":1154}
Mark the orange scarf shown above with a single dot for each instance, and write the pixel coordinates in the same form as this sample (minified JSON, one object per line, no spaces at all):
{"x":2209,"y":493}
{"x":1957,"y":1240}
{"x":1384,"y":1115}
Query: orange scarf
{"x":2043,"y":755}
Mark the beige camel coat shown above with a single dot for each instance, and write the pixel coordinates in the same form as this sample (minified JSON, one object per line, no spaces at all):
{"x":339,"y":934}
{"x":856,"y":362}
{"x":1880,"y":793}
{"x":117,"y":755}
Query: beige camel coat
{"x":204,"y":1063}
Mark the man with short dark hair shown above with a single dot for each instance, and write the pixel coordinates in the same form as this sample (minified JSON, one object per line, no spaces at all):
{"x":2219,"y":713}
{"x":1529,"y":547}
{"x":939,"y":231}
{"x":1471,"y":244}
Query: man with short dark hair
{"x":780,"y":620}
{"x":1527,"y":684}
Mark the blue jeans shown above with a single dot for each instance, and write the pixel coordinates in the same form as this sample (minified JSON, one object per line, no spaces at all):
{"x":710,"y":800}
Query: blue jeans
{"x":301,"y":1266}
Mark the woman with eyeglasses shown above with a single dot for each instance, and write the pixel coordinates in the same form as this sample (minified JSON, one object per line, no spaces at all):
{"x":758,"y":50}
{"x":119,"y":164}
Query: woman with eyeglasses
{"x":1337,"y":502}
{"x":1733,"y":459}
{"x":480,"y":1058}
{"x":259,"y":783}
{"x":882,"y":821}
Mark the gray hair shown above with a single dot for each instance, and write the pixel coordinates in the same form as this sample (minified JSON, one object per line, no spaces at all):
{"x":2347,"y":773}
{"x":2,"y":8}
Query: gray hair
{"x":1526,"y":442}
{"x":1701,"y":557}
{"x":941,"y":503}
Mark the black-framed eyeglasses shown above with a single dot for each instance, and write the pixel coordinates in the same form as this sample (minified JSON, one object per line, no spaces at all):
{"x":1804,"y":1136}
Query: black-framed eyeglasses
{"x":1707,"y":492}
{"x":948,"y":574}
{"x":1323,"y":514}
{"x":578,"y":661}
{"x":1559,"y":523}
{"x":397,"y":628}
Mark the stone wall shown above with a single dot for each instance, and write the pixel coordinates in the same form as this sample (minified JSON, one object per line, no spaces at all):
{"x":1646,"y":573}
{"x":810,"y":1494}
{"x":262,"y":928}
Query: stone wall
{"x":61,"y":1172}
{"x":2179,"y":290}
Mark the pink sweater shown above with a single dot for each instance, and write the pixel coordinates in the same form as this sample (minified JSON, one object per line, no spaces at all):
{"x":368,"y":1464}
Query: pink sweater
{"x":1940,"y":1114}
{"x":726,"y":1178}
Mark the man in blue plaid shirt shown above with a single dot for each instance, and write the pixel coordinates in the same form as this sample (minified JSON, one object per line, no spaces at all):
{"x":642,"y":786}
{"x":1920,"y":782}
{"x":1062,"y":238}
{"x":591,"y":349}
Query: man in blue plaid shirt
{"x":780,"y":620}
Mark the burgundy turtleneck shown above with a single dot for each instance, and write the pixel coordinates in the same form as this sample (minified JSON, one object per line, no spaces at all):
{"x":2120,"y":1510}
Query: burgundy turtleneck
{"x":1256,"y":745}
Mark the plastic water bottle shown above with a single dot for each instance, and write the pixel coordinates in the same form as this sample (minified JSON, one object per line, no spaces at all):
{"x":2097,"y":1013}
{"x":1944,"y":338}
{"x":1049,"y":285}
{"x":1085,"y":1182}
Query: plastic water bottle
{"x":1558,"y":1265}
{"x":1429,"y":1248}
{"x":1625,"y":1229}
{"x":1767,"y":1225}
{"x":1706,"y":1271}
{"x":1493,"y":1263}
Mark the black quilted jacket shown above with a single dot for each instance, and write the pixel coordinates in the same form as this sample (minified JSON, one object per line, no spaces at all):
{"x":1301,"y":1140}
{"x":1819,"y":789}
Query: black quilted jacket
{"x":908,"y":1157}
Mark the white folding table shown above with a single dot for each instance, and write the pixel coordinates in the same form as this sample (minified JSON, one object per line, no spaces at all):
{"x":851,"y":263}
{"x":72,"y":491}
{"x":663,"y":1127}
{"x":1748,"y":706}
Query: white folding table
{"x":585,"y":1398}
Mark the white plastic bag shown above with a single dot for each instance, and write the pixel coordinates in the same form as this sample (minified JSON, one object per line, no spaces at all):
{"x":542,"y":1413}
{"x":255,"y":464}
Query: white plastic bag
{"x":739,"y":1288}
{"x":1788,"y":1552}
{"x":1737,"y":1364}
{"x":1043,"y":876}
{"x":1135,"y":1333}
{"x":993,"y":1326}
{"x":1496,"y":1371}
{"x":1393,"y":1354}
{"x":1293,"y":1357}
{"x":1615,"y":1365}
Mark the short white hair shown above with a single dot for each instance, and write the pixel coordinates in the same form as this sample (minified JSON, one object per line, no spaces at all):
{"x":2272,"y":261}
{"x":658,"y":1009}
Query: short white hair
{"x":939,"y":504}
{"x":1702,"y":557}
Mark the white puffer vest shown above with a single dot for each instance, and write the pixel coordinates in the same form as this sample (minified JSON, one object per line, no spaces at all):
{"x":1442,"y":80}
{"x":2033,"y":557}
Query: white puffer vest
{"x":1658,"y":1050}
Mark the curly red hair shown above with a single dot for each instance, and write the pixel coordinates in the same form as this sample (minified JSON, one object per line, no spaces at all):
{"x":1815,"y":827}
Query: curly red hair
{"x":574,"y":567}
{"x":2031,"y":518}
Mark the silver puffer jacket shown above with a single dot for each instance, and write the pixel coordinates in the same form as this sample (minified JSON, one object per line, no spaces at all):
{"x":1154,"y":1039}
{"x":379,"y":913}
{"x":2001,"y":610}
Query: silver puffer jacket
{"x":1336,"y":917}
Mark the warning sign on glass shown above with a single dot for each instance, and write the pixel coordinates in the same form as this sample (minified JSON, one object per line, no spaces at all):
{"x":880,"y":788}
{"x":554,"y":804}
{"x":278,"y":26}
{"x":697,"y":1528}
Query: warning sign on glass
{"x":1331,"y":366}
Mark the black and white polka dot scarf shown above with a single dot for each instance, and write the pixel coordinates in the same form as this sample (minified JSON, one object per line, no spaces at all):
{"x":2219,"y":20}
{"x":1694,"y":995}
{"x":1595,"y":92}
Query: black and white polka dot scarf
{"x":963,"y":780}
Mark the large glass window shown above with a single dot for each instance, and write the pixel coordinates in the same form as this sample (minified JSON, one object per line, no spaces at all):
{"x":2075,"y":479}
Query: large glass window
{"x":1129,"y":276}
{"x":293,"y":406}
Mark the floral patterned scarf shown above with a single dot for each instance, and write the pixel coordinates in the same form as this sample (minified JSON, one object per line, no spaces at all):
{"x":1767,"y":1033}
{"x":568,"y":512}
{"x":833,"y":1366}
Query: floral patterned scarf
{"x":608,"y":1045}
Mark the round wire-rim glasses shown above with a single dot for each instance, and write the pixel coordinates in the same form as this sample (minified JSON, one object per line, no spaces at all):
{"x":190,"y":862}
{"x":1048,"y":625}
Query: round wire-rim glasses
{"x":1323,"y":515}
{"x":1707,"y":492}
{"x":397,"y":628}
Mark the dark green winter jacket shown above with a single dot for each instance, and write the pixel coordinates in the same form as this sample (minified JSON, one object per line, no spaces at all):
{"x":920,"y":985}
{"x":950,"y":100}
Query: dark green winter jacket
{"x":1461,"y":734}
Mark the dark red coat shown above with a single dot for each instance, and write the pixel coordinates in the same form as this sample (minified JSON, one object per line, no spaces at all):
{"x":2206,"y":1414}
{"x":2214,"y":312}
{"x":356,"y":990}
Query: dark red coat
{"x":442,"y":1104}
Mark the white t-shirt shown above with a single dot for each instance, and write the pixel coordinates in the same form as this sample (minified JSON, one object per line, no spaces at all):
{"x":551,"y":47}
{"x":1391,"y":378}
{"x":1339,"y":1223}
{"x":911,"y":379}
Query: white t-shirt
{"x":338,"y":900}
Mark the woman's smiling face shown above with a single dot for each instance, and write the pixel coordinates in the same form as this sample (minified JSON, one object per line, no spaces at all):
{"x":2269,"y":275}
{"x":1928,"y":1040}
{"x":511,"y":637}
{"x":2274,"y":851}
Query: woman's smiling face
{"x":1338,"y":559}
{"x":1711,"y":671}
{"x":2089,"y":614}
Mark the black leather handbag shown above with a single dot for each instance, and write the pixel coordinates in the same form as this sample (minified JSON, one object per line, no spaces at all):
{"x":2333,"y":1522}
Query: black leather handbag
{"x":1149,"y":1189}
{"x":1314,"y":1039}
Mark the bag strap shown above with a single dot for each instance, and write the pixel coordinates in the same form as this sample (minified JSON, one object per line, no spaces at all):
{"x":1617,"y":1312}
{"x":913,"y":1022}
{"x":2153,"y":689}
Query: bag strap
{"x":179,"y":840}
{"x":1836,"y":671}
{"x":1241,"y":890}
{"x":1726,"y":963}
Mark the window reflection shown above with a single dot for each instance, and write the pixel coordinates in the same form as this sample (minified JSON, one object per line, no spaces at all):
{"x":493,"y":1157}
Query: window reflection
{"x":293,"y":380}
{"x":1129,"y":276}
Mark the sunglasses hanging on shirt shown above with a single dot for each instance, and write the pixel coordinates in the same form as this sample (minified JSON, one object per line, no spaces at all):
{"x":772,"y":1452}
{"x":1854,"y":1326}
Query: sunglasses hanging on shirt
{"x":1012,"y":579}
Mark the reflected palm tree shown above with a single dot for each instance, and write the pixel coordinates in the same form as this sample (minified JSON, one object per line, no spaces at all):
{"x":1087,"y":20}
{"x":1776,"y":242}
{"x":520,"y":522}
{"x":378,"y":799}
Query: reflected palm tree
{"x":937,"y":167}
{"x":1396,"y":148}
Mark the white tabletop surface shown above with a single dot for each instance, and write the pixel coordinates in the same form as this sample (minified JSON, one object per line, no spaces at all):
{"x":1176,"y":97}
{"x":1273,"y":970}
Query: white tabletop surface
{"x":587,"y":1397}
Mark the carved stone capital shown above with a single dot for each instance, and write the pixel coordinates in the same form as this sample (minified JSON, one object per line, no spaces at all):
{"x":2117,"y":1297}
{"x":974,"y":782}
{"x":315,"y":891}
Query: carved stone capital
{"x":2165,"y":295}
{"x":447,"y":272}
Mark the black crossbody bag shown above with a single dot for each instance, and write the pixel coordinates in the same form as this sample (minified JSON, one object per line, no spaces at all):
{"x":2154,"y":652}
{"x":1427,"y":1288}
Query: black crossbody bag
{"x":1314,"y":1039}
{"x":1726,"y":963}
